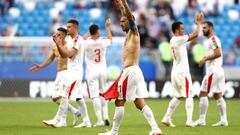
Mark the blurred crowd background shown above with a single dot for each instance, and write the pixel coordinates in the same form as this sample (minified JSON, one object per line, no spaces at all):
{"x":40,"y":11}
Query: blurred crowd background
{"x":39,"y":19}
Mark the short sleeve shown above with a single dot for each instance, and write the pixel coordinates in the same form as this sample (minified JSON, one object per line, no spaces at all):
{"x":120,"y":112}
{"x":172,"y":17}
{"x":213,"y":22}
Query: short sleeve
{"x":179,"y":40}
{"x":77,"y":42}
{"x":183,"y":39}
{"x":214,"y":43}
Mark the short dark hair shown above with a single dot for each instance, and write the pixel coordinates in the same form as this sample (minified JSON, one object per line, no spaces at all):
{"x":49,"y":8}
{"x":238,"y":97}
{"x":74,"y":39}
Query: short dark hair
{"x":175,"y":26}
{"x":93,"y":29}
{"x":62,"y":30}
{"x":209,"y":23}
{"x":73,"y":21}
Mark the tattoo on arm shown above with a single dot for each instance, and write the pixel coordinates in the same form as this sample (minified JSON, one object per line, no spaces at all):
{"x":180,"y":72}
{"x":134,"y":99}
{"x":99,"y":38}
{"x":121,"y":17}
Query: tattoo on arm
{"x":127,"y":12}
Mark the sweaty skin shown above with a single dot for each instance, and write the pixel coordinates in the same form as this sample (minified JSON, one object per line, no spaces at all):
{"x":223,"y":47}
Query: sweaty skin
{"x":131,"y":49}
{"x":61,"y":62}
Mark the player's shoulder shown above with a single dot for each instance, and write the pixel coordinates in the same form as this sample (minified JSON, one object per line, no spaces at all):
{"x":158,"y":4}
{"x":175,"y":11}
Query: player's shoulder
{"x":214,"y":38}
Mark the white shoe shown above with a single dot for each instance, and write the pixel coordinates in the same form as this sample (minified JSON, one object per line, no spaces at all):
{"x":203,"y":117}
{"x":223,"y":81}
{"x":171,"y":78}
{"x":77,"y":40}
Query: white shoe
{"x":190,"y":124}
{"x":49,"y":122}
{"x":98,"y":124}
{"x":167,"y":122}
{"x":83,"y":125}
{"x":76,"y":118}
{"x":108,"y":133}
{"x":220,"y":123}
{"x":200,"y":123}
{"x":59,"y":124}
{"x":156,"y":132}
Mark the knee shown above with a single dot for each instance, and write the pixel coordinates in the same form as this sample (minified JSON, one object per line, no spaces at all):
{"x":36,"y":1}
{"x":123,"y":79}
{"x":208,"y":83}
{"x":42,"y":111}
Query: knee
{"x":56,"y":99}
{"x":203,"y":94}
{"x":119,"y":103}
{"x":139,"y":103}
{"x":217,"y":96}
{"x":139,"y":107}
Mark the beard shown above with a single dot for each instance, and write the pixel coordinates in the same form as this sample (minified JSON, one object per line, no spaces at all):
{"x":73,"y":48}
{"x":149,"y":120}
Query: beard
{"x":206,"y":34}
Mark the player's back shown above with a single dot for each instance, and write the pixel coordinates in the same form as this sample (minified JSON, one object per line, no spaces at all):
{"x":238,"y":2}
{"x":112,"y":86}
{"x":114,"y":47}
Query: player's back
{"x":76,"y":61}
{"x":179,"y":53}
{"x":95,"y":51}
{"x":213,"y":43}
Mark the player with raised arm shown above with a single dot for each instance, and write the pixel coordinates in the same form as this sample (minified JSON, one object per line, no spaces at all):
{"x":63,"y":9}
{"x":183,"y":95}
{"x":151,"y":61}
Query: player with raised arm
{"x":214,"y":80}
{"x":74,"y":54}
{"x":57,"y":92}
{"x":180,"y":76}
{"x":95,"y":51}
{"x":130,"y":86}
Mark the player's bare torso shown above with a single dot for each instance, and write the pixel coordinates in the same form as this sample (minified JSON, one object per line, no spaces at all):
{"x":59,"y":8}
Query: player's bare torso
{"x":131,"y":49}
{"x":61,"y":62}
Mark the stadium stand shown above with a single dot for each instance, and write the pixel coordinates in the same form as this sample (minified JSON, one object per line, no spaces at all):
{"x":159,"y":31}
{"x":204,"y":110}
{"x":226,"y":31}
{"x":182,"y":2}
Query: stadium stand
{"x":36,"y":23}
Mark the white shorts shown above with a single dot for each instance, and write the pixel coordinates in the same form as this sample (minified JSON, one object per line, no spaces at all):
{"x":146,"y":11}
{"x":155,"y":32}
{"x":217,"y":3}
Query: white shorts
{"x":214,"y":82}
{"x":182,"y":84}
{"x":73,"y":84}
{"x":96,"y":84}
{"x":132,"y":85}
{"x":58,"y":84}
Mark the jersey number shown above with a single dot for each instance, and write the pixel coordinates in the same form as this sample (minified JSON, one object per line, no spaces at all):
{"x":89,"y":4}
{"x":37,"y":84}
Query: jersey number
{"x":97,"y":55}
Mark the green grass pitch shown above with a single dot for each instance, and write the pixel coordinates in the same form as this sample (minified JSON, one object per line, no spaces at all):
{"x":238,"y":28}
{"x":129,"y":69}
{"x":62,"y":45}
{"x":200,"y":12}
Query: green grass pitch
{"x":24,"y":118}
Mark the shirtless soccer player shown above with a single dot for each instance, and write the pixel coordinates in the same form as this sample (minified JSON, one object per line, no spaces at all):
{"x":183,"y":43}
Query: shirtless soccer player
{"x":130,"y":86}
{"x":57,"y":93}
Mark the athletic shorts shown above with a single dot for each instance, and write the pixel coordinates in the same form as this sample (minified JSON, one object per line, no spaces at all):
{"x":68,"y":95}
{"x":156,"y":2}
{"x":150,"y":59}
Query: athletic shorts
{"x":96,"y":84}
{"x":58,"y":84}
{"x":131,"y":84}
{"x":73,"y":84}
{"x":182,"y":84}
{"x":214,"y":81}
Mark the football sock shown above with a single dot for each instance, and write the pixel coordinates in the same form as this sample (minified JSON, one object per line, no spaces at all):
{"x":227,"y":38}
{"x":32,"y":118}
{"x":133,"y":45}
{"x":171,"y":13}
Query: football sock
{"x":148,"y":114}
{"x":173,"y":104}
{"x":71,"y":108}
{"x":222,"y":108}
{"x":97,"y":108}
{"x":104,"y":105}
{"x":189,"y":108}
{"x":118,"y":116}
{"x":203,"y":106}
{"x":83,"y":110}
{"x":62,"y":111}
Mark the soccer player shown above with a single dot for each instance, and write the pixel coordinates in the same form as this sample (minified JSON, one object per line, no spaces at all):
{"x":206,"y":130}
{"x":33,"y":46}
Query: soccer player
{"x":74,"y":53}
{"x":130,"y":86}
{"x":61,"y":74}
{"x":180,"y":76}
{"x":95,"y":50}
{"x":214,"y":79}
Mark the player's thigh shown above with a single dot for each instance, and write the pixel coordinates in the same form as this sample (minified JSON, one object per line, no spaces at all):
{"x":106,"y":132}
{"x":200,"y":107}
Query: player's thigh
{"x":219,"y":83}
{"x":207,"y":83}
{"x":102,"y":82}
{"x":93,"y":87}
{"x":178,"y":83}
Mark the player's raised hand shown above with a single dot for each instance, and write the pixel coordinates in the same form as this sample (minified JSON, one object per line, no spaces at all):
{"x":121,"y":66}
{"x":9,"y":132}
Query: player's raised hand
{"x":58,"y":40}
{"x":35,"y":68}
{"x":108,"y":22}
{"x":199,"y":18}
{"x":118,"y":3}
